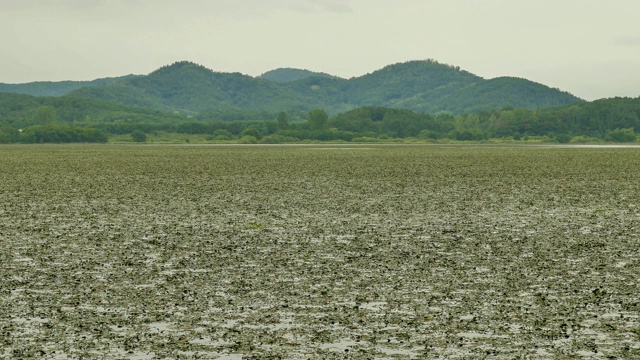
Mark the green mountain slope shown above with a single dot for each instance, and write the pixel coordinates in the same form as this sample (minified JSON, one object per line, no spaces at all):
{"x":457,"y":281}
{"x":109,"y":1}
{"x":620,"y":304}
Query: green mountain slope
{"x":122,"y":93}
{"x":57,"y":88}
{"x":489,"y":94}
{"x":190,"y":87}
{"x":614,"y":119}
{"x":393,"y":84}
{"x":285,"y":75}
{"x":514,"y":92}
{"x":19,"y":110}
{"x":323,"y":92}
{"x":425,"y":86}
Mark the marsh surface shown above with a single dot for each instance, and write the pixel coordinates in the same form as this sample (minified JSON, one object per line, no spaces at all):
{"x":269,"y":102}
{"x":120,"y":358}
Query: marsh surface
{"x":266,"y":251}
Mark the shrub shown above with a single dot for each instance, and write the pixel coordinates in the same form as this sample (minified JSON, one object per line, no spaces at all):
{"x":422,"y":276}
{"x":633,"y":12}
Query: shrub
{"x":248,"y":139}
{"x":364,"y":139}
{"x":138,"y":136}
{"x":563,"y":138}
{"x":278,"y":139}
{"x":428,"y":134}
{"x":223,"y":133}
{"x":466,"y":135}
{"x":621,"y":135}
{"x":61,"y":134}
{"x":583,"y":140}
{"x":253,"y":132}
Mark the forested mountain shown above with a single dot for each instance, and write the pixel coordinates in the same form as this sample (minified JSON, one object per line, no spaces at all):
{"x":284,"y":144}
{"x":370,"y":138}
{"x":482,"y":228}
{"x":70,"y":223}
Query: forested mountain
{"x":57,"y":88}
{"x":415,"y":99}
{"x":426,"y":86}
{"x":487,"y":95}
{"x":20,"y":111}
{"x":192,"y":88}
{"x":396,"y":83}
{"x":26,"y":118}
{"x":285,"y":75}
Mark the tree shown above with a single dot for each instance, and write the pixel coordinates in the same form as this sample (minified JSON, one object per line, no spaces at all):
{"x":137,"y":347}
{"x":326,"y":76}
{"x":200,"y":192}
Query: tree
{"x":248,"y":139}
{"x":222,"y":134}
{"x":621,"y":135}
{"x":251,"y":131}
{"x":318,"y":119}
{"x":8,"y":135}
{"x":282,"y":123}
{"x":138,"y":136}
{"x":45,"y":115}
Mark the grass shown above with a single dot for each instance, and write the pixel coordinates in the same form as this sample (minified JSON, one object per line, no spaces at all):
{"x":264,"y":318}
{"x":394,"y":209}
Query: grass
{"x":162,"y":137}
{"x":319,"y":251}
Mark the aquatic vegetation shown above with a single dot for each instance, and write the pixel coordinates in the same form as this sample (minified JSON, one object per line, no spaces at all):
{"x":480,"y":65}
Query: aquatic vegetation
{"x":318,"y":251}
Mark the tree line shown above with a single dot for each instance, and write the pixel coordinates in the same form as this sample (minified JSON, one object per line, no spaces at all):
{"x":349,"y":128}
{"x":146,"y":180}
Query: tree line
{"x":614,"y":120}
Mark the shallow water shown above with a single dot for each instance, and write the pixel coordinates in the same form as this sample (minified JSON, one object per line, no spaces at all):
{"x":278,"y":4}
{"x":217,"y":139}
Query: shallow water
{"x":389,"y":252}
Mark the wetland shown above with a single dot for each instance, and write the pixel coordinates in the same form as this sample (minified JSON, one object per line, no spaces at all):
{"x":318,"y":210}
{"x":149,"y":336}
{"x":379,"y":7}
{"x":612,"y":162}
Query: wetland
{"x":319,"y":251}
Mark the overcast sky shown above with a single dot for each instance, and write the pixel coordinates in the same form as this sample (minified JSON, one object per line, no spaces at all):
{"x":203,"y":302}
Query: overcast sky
{"x":590,"y":48}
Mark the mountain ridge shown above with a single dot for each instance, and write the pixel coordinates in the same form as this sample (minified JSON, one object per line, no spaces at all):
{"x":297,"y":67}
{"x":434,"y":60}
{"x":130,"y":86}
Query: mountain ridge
{"x":286,"y":75}
{"x":418,"y":85}
{"x":58,"y":88}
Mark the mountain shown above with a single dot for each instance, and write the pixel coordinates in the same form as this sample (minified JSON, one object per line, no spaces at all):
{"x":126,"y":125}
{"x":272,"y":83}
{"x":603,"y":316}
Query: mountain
{"x":425,"y":86}
{"x":21,"y":110}
{"x":428,"y":86}
{"x":190,"y":87}
{"x":489,"y":94}
{"x":57,"y":88}
{"x":329,"y":93}
{"x":393,"y":84}
{"x":285,"y":75}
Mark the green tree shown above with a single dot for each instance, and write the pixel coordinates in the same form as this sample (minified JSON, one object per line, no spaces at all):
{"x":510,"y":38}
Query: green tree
{"x":248,"y":139}
{"x":138,"y":136}
{"x":251,"y":132}
{"x":318,"y":119}
{"x":57,"y":133}
{"x":222,"y":134}
{"x":621,"y":135}
{"x":8,"y":135}
{"x":282,"y":123}
{"x":45,"y":115}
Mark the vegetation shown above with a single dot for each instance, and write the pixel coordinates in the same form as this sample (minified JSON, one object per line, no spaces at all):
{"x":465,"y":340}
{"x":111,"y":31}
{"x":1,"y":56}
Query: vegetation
{"x":425,"y":86}
{"x":28,"y":119}
{"x":285,"y":75}
{"x":192,"y":88}
{"x":320,"y":252}
{"x":612,"y":120}
{"x":186,"y":98}
{"x":138,"y":136}
{"x":59,"y":88}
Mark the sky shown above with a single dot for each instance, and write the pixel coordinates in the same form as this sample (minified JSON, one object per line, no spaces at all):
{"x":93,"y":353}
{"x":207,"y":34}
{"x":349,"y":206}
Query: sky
{"x":590,"y":48}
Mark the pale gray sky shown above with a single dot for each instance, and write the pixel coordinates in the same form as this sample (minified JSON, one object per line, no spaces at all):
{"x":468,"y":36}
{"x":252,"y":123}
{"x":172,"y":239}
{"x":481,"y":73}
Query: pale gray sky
{"x":590,"y":48}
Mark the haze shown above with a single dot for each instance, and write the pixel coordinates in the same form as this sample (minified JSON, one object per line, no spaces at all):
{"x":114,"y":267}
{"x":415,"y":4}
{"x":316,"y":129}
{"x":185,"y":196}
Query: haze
{"x":590,"y":48}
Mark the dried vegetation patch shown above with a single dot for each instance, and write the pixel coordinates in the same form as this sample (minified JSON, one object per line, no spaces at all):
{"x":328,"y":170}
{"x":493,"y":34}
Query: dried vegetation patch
{"x":286,"y":251}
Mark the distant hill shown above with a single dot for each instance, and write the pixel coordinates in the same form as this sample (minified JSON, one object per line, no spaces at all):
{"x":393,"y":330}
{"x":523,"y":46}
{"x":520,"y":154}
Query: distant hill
{"x":285,"y":75}
{"x":424,"y":86}
{"x":489,"y":94}
{"x":325,"y":92}
{"x":190,"y":87}
{"x":57,"y":88}
{"x":613,"y":119}
{"x":20,"y":110}
{"x":428,"y":86}
{"x":392,"y":85}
